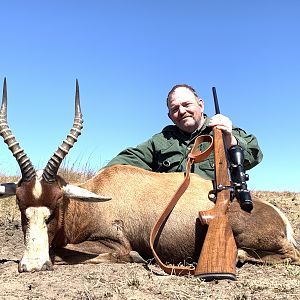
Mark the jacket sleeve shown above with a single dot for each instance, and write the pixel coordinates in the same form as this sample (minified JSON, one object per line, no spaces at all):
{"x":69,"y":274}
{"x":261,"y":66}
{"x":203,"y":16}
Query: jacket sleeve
{"x":140,"y":156}
{"x":252,"y":152}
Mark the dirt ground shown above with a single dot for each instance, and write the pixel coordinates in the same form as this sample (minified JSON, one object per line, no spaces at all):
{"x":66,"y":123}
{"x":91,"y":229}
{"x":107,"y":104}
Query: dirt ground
{"x":133,"y":281}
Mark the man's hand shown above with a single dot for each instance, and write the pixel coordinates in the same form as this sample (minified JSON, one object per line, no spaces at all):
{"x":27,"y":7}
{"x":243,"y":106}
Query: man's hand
{"x":225,"y":124}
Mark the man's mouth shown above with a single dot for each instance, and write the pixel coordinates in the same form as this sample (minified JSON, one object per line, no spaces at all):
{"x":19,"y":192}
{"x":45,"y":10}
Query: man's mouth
{"x":185,"y":117}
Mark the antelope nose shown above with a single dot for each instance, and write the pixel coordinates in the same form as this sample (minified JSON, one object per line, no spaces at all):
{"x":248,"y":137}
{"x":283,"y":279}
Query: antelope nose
{"x":47,"y":266}
{"x":22,"y":268}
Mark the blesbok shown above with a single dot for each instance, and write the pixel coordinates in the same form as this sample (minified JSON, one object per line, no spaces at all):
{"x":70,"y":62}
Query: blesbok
{"x":78,"y":225}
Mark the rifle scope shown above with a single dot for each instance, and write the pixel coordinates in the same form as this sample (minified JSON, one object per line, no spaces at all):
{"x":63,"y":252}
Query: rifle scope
{"x":237,"y":171}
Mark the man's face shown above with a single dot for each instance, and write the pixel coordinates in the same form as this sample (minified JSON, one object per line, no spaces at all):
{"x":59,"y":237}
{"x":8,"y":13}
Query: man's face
{"x":185,"y":110}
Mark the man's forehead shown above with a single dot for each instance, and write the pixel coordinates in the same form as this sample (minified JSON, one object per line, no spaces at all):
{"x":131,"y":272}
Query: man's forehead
{"x":182,"y":94}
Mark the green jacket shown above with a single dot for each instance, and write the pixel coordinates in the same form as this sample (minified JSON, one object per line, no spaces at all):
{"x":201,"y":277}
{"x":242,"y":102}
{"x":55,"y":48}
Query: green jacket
{"x":167,"y":151}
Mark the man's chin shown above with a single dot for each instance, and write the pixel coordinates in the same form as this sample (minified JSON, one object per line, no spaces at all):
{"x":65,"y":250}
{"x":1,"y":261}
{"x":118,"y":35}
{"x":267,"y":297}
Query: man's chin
{"x":188,"y":127}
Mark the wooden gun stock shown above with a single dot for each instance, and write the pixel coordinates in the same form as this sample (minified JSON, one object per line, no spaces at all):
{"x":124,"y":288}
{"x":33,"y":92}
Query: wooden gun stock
{"x":218,"y":255}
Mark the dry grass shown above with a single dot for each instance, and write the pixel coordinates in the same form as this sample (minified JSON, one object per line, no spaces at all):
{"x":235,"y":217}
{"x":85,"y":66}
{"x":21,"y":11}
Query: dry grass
{"x":73,"y":175}
{"x":76,"y":172}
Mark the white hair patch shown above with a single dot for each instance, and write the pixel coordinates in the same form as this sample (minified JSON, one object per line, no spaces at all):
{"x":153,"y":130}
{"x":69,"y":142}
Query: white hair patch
{"x":36,"y":252}
{"x":37,"y":189}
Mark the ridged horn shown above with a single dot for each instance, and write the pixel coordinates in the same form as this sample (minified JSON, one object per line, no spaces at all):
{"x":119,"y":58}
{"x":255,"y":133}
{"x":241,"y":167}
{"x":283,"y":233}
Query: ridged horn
{"x":51,"y":169}
{"x":27,"y":169}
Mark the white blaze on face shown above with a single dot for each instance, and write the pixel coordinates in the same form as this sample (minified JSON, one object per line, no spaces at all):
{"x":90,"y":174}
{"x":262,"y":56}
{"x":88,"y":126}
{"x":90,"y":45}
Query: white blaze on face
{"x":36,"y":254}
{"x":37,"y":189}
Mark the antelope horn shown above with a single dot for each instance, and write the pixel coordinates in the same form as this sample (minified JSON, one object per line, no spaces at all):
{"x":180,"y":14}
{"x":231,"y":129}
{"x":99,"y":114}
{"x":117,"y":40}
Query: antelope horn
{"x":51,"y":169}
{"x":27,"y":169}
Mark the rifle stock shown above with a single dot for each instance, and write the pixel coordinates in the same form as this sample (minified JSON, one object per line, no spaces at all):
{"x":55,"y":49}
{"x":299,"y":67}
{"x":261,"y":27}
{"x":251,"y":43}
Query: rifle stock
{"x":218,"y":255}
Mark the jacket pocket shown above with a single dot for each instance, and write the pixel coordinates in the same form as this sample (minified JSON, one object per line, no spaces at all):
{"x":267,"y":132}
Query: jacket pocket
{"x":170,"y":160}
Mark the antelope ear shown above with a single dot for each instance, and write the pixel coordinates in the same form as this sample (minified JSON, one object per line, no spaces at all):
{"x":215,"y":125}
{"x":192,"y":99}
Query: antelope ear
{"x":82,"y":194}
{"x":7,"y":189}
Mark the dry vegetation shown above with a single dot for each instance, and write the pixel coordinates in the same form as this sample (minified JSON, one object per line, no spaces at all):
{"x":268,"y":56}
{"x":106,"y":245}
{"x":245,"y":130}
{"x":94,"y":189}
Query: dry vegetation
{"x":132,"y":281}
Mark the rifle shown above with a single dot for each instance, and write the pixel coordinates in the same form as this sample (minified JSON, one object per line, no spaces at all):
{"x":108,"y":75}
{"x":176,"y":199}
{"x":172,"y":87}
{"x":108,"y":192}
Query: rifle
{"x":218,"y":255}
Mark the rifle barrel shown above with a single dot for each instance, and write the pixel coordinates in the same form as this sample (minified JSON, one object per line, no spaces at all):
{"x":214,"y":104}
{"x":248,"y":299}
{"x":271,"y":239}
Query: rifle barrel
{"x":217,"y":109}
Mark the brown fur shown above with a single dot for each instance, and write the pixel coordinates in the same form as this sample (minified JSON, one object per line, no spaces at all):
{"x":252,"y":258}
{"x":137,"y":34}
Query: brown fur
{"x":138,"y":197}
{"x":114,"y":230}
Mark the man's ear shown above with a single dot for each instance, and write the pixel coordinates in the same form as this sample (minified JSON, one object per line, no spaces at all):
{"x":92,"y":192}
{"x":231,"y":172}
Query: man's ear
{"x":170,"y":116}
{"x":201,"y":103}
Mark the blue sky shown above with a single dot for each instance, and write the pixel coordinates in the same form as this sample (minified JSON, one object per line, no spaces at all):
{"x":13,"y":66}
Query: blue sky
{"x":128,"y":54}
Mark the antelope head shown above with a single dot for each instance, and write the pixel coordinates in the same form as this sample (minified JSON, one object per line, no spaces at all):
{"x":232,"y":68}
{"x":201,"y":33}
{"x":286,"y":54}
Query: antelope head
{"x":40,"y":194}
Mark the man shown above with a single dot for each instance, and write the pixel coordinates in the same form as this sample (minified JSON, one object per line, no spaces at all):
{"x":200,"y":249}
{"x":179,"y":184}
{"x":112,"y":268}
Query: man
{"x":167,"y":151}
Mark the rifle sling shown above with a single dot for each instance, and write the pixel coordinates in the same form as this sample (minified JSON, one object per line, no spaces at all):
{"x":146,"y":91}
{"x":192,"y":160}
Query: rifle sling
{"x":194,"y":156}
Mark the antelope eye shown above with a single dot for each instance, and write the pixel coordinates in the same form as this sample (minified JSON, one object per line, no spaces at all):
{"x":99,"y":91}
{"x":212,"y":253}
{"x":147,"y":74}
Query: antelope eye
{"x":48,"y":220}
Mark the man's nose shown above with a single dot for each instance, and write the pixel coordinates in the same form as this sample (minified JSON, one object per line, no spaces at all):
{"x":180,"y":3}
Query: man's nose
{"x":181,"y":110}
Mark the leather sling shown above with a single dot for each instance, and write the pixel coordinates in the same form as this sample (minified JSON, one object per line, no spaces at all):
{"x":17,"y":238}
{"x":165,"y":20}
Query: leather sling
{"x":194,"y":156}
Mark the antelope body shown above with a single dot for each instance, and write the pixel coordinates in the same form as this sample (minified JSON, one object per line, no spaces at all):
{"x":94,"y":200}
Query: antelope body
{"x":76,"y":224}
